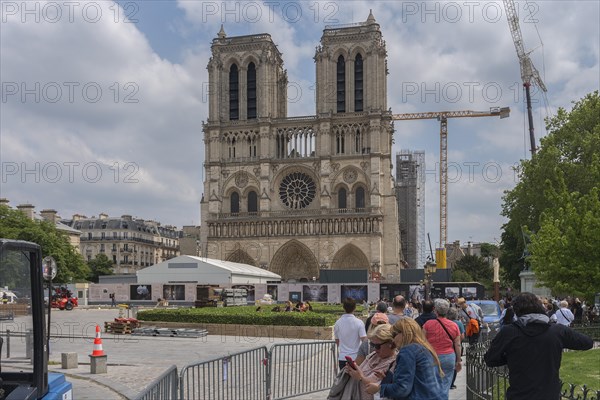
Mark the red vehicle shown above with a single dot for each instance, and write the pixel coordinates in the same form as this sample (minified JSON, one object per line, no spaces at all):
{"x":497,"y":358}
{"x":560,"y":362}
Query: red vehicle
{"x":63,"y":299}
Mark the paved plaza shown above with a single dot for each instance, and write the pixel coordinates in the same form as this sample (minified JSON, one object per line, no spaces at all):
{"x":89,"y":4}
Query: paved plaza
{"x":135,"y":361}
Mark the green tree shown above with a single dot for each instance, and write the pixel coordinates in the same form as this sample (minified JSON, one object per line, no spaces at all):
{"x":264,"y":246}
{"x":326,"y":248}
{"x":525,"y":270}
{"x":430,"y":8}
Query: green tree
{"x":100,"y":265}
{"x":15,"y":225}
{"x":475,"y":267}
{"x":489,"y":250}
{"x":564,"y":252}
{"x":558,"y":180}
{"x":461,"y":276}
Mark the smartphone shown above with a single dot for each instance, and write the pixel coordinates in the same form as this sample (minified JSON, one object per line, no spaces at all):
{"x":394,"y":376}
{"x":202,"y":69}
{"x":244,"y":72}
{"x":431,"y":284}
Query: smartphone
{"x":351,"y":362}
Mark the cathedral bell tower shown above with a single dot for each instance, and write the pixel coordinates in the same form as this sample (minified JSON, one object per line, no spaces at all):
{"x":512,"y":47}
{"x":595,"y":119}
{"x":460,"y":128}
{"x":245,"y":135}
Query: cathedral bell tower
{"x":351,"y":69}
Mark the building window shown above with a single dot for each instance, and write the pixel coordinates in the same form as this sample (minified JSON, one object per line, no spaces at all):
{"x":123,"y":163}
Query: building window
{"x":342,"y":197}
{"x":251,"y":91}
{"x":102,"y":248}
{"x":340,"y":143}
{"x":358,"y":83}
{"x":234,"y":98}
{"x":357,"y":142}
{"x":114,"y":235}
{"x":89,"y":235}
{"x":252,"y":202}
{"x":103,"y":235}
{"x":235,"y":203}
{"x":297,"y":190}
{"x":232,"y":148}
{"x":360,"y":198}
{"x":341,"y":84}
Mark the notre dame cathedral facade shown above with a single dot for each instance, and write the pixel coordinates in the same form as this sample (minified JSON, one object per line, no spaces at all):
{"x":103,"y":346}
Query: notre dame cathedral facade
{"x":297,"y":195}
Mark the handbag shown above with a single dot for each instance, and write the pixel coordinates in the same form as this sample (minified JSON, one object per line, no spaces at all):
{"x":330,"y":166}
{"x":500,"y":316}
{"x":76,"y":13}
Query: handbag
{"x":344,"y":388}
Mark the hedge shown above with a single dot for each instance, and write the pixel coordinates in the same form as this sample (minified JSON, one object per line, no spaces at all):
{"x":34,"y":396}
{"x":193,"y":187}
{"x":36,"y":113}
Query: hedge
{"x":323,"y":315}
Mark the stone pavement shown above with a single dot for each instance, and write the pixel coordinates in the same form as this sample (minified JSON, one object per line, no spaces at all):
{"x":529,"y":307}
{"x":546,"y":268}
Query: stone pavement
{"x":136,"y":361}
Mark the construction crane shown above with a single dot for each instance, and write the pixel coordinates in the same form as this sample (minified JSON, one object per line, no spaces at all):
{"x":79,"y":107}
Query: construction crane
{"x":443,"y":116}
{"x":529,"y":73}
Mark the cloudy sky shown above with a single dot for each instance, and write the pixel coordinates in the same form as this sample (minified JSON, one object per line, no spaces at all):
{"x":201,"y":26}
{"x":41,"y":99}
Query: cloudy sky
{"x":102,"y":102}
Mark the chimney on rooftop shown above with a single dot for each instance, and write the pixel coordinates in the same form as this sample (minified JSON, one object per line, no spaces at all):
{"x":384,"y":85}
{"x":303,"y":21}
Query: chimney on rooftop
{"x":26,"y":209}
{"x":49,"y":215}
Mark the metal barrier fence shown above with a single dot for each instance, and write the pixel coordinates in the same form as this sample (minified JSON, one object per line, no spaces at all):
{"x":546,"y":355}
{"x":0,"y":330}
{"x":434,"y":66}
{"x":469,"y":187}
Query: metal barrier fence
{"x":486,"y":383}
{"x":301,"y":368}
{"x":286,"y":370}
{"x":591,"y":330}
{"x":238,"y":376}
{"x":163,"y":387}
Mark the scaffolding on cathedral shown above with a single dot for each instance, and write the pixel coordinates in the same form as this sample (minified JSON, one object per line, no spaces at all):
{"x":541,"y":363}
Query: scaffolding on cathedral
{"x":410,"y":195}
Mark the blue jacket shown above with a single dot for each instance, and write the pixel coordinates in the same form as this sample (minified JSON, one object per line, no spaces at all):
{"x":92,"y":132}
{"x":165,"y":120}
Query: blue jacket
{"x":416,"y":376}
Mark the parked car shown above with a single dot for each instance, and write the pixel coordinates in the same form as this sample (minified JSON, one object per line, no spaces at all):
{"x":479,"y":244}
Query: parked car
{"x":491,"y":316}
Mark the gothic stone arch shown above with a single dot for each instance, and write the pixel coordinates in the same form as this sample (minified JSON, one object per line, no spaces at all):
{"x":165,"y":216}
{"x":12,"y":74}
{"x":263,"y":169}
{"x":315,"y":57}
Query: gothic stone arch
{"x":295,"y":261}
{"x":240,"y":256}
{"x":350,"y":257}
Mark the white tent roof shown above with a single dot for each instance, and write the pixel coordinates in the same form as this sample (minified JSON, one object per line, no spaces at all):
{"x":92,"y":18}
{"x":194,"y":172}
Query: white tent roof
{"x":237,"y":268}
{"x":191,"y":268}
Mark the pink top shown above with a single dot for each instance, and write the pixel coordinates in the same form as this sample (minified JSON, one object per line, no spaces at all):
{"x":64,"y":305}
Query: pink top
{"x":437,"y":336}
{"x":372,"y":364}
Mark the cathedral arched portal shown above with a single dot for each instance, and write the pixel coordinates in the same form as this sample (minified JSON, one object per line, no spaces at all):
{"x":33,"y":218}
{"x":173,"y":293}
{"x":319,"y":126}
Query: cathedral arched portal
{"x":240,"y":256}
{"x":350,"y":257}
{"x":295,"y":261}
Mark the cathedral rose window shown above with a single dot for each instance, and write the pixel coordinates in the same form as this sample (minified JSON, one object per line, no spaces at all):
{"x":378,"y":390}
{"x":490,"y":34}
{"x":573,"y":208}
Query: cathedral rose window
{"x":297,"y":190}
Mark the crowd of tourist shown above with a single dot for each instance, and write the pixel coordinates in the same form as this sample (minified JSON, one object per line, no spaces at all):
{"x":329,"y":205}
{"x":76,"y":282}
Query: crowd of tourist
{"x":409,"y":350}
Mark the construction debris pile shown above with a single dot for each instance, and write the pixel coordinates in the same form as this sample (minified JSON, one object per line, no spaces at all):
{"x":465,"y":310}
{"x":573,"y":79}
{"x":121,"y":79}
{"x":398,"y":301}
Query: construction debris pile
{"x":121,"y":326}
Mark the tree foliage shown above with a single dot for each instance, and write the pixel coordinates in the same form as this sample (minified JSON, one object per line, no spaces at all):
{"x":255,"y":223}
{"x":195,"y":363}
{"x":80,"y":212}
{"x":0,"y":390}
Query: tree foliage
{"x":100,"y":265}
{"x":461,"y":276}
{"x":489,"y":250}
{"x":475,"y":267}
{"x":15,"y":225}
{"x":555,"y":199}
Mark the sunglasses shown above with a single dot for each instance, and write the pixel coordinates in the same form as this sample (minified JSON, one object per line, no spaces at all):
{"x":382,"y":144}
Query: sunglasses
{"x":377,"y":346}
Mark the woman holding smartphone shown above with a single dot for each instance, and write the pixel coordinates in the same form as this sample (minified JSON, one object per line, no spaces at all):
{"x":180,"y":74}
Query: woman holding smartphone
{"x":418,"y":373}
{"x":376,"y":364}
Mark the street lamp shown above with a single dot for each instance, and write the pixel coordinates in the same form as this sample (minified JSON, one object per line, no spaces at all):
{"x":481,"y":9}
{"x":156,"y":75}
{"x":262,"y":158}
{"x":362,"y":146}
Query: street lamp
{"x":430,"y":268}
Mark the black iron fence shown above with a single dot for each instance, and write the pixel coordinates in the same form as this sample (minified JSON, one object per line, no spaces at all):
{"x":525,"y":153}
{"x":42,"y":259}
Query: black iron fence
{"x":486,"y":383}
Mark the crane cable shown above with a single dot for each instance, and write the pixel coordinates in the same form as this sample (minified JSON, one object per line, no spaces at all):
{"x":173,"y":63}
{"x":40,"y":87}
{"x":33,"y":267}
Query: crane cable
{"x":544,"y":95}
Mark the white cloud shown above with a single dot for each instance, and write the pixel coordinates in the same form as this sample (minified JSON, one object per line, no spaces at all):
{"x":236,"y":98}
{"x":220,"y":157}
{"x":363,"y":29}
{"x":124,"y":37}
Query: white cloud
{"x":436,"y":62}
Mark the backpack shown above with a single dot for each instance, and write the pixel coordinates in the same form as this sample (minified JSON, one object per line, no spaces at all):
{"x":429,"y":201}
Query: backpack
{"x":472,"y":327}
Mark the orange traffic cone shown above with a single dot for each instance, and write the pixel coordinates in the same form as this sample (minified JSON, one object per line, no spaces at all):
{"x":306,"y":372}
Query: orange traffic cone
{"x":97,"y":344}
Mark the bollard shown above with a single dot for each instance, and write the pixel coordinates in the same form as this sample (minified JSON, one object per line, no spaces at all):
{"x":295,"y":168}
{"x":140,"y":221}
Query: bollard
{"x":8,"y":343}
{"x":29,"y":344}
{"x":98,"y":364}
{"x":69,"y":360}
